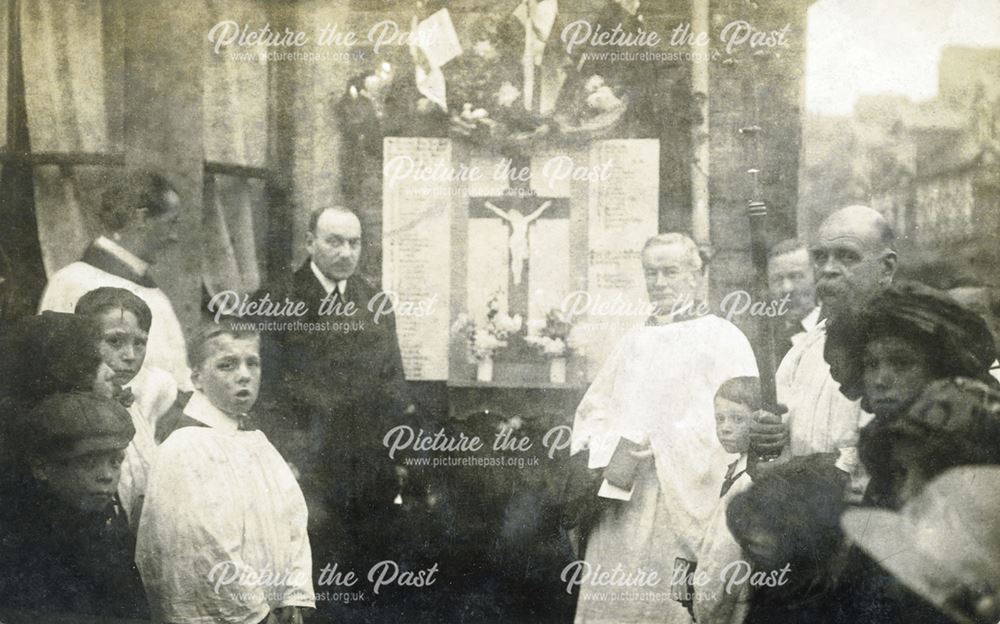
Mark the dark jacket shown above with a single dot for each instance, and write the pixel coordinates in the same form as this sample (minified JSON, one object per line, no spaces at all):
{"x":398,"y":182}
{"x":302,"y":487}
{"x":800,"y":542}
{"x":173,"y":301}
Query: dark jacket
{"x":57,"y":559}
{"x":333,"y":388}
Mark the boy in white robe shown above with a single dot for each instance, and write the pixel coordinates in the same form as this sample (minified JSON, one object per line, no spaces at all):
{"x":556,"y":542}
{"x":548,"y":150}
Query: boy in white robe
{"x":223,"y":537}
{"x":719,"y":557}
{"x":656,"y":389}
{"x":124,"y":321}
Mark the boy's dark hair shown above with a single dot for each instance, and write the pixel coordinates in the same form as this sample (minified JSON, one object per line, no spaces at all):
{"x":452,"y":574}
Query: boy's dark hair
{"x":197,"y":353}
{"x":105,"y":298}
{"x":49,"y":353}
{"x":742,"y":390}
{"x":801,"y":502}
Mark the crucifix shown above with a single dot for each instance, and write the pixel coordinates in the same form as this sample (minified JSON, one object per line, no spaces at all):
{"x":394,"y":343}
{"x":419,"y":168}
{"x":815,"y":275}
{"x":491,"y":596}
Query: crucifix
{"x":519,"y":214}
{"x":518,"y":235}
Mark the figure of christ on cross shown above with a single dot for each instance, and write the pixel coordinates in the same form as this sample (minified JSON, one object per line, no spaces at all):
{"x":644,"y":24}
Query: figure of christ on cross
{"x":520,"y":214}
{"x":518,"y":235}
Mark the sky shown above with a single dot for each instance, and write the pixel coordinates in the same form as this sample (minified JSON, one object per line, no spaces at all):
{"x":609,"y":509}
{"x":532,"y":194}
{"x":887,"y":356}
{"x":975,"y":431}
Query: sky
{"x":867,"y":47}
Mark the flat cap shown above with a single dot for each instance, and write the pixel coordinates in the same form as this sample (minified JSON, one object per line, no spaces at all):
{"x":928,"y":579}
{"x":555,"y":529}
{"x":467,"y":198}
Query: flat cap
{"x":71,"y":424}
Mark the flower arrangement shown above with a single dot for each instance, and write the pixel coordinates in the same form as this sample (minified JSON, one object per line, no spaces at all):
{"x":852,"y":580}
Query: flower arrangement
{"x":482,"y":342}
{"x":556,"y":338}
{"x":484,"y":95}
{"x":485,"y":90}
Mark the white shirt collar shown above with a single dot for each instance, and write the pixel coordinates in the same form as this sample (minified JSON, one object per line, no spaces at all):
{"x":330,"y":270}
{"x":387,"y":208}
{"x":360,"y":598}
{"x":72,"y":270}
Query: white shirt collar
{"x":202,"y":410}
{"x":741,"y":464}
{"x":133,"y":261}
{"x":811,"y":320}
{"x":328,"y":284}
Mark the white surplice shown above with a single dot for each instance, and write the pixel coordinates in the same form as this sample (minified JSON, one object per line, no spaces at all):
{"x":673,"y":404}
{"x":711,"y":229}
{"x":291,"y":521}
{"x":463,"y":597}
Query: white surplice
{"x":139,"y":457}
{"x":658,"y":384}
{"x":719,"y":598}
{"x":165,"y":349}
{"x":820,"y":419}
{"x":222,"y":537}
{"x":155,"y":391}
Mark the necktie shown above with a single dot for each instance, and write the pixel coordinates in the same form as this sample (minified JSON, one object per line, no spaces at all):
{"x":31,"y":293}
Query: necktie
{"x":730,"y":479}
{"x":244,"y":423}
{"x":125,"y":397}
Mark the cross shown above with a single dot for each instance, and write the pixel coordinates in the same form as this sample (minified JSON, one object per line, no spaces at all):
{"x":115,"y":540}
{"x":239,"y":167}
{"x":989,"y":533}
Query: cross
{"x":519,"y":214}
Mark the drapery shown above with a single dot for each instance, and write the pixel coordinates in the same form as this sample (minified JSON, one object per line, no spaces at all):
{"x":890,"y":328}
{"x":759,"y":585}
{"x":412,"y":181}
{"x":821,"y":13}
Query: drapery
{"x":235,"y":106}
{"x":66,"y":96}
{"x":235,"y":229}
{"x":3,"y":72}
{"x":74,"y":68}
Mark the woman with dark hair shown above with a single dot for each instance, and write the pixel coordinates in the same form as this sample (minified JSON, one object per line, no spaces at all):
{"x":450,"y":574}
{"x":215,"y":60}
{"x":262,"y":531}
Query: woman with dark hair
{"x":910,"y":336}
{"x":915,"y":358}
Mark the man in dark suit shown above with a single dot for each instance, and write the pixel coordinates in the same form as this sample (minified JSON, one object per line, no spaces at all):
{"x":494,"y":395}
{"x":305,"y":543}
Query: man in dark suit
{"x":333,"y":386}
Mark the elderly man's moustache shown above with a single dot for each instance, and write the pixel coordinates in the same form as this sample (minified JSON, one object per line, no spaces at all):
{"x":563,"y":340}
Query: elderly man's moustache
{"x":827,"y":288}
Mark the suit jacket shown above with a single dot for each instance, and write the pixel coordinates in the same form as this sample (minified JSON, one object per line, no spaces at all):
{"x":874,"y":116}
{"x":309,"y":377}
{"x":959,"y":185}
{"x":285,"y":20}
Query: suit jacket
{"x":336,"y":385}
{"x":56,"y":559}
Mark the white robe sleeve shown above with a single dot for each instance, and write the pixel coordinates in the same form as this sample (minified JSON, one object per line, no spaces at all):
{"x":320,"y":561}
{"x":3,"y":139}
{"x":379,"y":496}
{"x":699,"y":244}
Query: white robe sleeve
{"x":61,"y":293}
{"x":719,"y":560}
{"x":593,"y":427}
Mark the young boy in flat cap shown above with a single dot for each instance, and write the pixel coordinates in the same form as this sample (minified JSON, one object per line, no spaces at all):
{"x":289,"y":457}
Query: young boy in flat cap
{"x":222,"y":536}
{"x":66,"y":545}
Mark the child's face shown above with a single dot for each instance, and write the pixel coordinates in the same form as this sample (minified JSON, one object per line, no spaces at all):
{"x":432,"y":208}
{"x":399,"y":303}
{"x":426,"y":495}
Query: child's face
{"x":230,"y":374}
{"x":87,"y":482}
{"x":123,"y":343}
{"x":732,"y":425}
{"x":895,"y":371}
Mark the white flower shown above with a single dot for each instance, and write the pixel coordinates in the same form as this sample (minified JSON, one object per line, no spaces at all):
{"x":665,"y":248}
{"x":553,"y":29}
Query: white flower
{"x":507,"y":95}
{"x":552,"y":347}
{"x":506,"y":324}
{"x":603,"y":99}
{"x":594,"y":83}
{"x":555,"y":347}
{"x":484,"y":48}
{"x":424,"y":105}
{"x":463,"y":325}
{"x":514,"y":423}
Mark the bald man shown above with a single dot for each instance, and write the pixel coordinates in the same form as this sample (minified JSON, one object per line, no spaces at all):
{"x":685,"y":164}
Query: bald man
{"x":853,"y":258}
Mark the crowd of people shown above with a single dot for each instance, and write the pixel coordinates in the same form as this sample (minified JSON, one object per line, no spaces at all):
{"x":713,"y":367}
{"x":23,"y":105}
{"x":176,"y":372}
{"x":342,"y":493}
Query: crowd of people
{"x":147,"y":476}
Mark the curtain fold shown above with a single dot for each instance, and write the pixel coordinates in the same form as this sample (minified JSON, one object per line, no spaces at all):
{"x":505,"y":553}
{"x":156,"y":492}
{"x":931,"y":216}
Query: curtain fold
{"x":66,"y":103}
{"x":235,"y":95}
{"x":4,"y":34}
{"x":235,"y":102}
{"x":231,"y":259}
{"x":63,"y":57}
